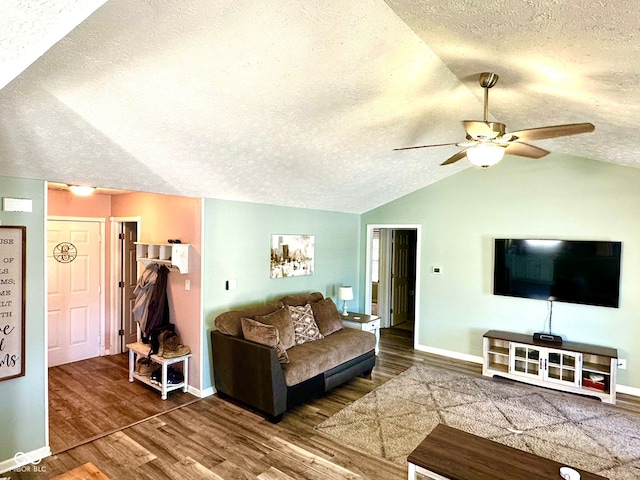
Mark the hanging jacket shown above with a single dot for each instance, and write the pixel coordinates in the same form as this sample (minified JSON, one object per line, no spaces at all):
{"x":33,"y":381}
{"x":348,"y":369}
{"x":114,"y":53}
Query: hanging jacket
{"x":143,"y":291}
{"x":158,"y":307}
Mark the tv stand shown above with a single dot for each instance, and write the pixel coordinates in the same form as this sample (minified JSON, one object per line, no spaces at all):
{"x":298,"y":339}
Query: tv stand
{"x":570,"y":366}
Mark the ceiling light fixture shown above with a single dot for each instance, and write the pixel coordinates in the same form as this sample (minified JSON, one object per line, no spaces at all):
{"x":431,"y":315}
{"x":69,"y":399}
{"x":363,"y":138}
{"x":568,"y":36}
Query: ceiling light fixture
{"x":485,"y":155}
{"x":81,"y":190}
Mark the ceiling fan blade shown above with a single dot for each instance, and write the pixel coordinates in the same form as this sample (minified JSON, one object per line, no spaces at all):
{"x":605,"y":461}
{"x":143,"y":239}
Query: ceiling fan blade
{"x":525,"y":150}
{"x":425,"y":146}
{"x":553,"y":131}
{"x":454,"y":158}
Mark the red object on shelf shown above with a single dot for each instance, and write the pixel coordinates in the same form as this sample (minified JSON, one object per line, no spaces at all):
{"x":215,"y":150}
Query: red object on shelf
{"x":591,"y":384}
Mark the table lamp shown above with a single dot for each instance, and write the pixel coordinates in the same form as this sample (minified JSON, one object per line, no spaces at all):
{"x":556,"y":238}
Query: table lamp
{"x":344,"y":294}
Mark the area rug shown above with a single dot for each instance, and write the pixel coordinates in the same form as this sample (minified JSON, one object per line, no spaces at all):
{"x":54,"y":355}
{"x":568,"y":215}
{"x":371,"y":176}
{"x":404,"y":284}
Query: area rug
{"x":393,"y":419}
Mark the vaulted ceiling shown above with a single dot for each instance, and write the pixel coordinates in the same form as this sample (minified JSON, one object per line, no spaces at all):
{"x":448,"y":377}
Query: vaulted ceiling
{"x":301,"y":103}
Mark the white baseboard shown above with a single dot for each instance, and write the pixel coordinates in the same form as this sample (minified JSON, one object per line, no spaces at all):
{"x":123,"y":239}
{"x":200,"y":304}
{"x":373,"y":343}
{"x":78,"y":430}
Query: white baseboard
{"x":201,"y":393}
{"x":474,"y":359}
{"x":449,"y":353}
{"x":27,"y":462}
{"x":628,"y":390}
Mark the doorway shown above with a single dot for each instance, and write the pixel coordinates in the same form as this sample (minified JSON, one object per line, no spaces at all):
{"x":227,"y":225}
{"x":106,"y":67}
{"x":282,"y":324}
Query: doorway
{"x":393,"y":276}
{"x":403,"y":278}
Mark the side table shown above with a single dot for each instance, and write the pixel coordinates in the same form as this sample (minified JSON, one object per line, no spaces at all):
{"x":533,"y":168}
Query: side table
{"x":142,"y":350}
{"x":361,"y":321}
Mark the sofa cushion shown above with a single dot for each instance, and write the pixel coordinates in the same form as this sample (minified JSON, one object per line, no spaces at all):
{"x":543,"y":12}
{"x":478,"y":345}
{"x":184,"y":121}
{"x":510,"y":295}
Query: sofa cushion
{"x":301,"y":299}
{"x":281,"y":319}
{"x":264,"y":335}
{"x":305,"y":328}
{"x":327,"y":316}
{"x":313,"y":358}
{"x":229,"y":322}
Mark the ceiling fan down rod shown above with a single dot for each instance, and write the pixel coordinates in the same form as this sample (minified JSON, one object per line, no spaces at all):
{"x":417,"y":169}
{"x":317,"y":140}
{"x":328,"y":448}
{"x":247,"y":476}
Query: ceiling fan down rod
{"x":487,"y":80}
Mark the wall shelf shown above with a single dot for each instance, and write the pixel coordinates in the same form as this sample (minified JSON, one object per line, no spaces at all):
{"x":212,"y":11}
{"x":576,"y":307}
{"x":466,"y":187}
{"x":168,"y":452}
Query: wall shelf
{"x":172,"y":255}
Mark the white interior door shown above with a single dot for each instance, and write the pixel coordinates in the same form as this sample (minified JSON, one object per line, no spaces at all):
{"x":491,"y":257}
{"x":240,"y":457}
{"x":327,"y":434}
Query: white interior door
{"x":73,"y":257}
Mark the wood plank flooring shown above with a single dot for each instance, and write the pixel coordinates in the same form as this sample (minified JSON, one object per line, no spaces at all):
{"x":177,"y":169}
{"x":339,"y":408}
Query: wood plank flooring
{"x":83,"y":472}
{"x":215,"y":439}
{"x":91,"y":398}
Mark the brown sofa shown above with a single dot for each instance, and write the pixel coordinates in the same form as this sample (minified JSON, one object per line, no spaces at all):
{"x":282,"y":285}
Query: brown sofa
{"x":257,"y":375}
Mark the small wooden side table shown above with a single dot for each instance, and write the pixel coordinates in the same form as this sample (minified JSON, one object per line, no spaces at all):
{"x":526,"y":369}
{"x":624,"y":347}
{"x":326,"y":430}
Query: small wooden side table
{"x":361,"y":321}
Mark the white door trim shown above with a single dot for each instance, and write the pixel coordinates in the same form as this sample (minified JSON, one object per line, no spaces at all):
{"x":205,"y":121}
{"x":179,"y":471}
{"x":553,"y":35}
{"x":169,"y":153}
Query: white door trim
{"x":103,"y":251}
{"x":114,"y":342}
{"x":369,"y":246}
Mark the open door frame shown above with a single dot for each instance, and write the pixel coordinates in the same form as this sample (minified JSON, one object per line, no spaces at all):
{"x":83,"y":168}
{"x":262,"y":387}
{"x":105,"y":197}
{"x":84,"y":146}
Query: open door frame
{"x":369,"y":247}
{"x":116,"y":223}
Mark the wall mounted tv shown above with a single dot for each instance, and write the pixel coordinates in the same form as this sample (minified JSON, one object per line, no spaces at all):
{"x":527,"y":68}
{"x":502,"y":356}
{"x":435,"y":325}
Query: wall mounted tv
{"x":586,"y":272}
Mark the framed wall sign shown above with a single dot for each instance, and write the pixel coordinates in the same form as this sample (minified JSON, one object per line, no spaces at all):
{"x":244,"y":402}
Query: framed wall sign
{"x":12,"y":301}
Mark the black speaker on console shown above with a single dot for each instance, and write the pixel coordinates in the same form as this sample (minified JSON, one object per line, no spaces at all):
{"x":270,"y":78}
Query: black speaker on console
{"x":547,"y":338}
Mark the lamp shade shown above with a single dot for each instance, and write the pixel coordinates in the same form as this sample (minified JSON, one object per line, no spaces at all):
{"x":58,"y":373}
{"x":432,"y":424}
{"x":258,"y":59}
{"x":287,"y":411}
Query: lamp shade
{"x":485,"y":154}
{"x":345,"y":293}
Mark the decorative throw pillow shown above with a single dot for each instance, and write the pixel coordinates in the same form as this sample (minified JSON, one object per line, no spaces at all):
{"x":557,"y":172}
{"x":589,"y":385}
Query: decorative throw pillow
{"x":264,"y":335}
{"x":281,"y":319}
{"x":327,"y":316}
{"x":305,"y":328}
{"x":301,"y":299}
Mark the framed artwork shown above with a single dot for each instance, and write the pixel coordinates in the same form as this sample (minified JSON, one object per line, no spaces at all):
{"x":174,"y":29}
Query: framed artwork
{"x":12,"y":301}
{"x":292,"y":255}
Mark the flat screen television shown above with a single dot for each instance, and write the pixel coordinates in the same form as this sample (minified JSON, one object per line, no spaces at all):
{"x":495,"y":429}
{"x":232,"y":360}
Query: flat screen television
{"x":586,"y":272}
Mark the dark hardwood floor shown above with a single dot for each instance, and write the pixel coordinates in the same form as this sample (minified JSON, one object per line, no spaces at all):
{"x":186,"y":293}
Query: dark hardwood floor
{"x":92,"y":398}
{"x":215,"y":439}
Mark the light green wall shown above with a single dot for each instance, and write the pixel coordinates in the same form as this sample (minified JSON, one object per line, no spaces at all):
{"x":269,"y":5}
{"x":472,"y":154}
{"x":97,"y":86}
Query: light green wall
{"x":558,"y":197}
{"x":555,"y":197}
{"x":237,"y":239}
{"x":22,"y":399}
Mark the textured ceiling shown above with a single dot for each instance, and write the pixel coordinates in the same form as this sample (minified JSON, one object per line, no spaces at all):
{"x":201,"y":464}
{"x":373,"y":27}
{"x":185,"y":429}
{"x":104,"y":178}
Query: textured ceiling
{"x":29,"y":27}
{"x":301,"y":103}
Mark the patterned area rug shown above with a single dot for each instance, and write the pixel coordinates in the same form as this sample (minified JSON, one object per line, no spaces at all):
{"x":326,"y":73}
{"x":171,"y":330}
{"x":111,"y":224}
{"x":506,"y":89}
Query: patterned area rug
{"x":393,"y":419}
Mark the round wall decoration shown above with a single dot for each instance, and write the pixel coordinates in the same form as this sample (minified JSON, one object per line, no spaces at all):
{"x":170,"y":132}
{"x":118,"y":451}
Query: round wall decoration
{"x":65,"y":252}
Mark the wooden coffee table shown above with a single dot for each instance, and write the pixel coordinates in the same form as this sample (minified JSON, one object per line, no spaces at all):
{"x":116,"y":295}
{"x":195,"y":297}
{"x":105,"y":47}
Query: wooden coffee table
{"x":451,"y":454}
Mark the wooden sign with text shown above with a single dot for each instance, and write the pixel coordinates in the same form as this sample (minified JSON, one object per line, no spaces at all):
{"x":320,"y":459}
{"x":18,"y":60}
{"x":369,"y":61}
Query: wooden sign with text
{"x":12,"y":301}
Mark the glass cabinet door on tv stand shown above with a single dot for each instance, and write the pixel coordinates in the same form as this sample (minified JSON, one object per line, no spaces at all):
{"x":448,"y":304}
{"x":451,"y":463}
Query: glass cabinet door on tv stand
{"x":561,"y":367}
{"x":544,"y":363}
{"x":525,"y":360}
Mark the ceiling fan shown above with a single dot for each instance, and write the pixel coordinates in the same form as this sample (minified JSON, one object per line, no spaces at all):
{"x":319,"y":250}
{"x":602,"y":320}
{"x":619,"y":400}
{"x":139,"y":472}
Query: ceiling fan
{"x":487,"y":142}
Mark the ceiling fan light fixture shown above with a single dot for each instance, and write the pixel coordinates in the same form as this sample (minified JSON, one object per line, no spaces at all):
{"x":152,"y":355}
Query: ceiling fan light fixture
{"x":81,"y":190}
{"x":485,"y":155}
